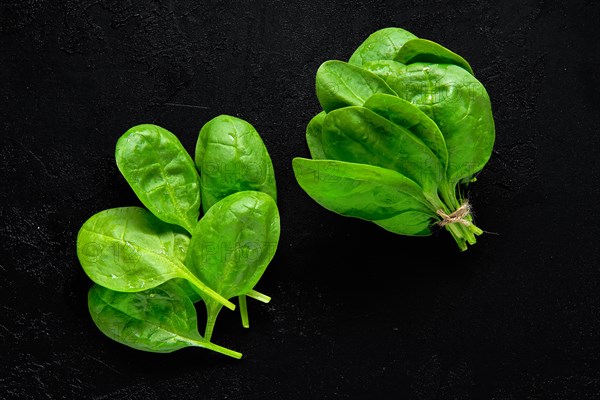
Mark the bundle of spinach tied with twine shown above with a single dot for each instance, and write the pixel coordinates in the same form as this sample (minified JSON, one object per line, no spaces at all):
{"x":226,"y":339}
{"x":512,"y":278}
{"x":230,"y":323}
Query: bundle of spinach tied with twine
{"x":405,"y":127}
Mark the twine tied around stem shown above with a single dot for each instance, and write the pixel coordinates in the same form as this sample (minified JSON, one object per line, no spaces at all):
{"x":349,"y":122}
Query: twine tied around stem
{"x":458,"y":216}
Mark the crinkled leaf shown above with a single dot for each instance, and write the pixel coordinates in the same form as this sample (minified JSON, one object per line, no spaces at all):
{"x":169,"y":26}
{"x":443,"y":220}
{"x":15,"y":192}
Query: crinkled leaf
{"x":340,"y":84}
{"x":359,"y":135}
{"x":232,"y":157}
{"x":233,"y":244}
{"x":161,"y":319}
{"x":129,"y":250}
{"x":456,"y":101}
{"x":406,"y":115}
{"x":161,"y":173}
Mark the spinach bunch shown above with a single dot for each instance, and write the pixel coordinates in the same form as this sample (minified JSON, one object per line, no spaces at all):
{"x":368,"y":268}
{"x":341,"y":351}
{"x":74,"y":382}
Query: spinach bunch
{"x":151,"y":265}
{"x":405,"y":127}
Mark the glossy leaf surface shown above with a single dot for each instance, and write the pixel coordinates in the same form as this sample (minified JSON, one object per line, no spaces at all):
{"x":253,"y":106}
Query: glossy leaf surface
{"x":410,"y":223}
{"x":436,"y":129}
{"x":161,"y":319}
{"x":406,"y":115}
{"x":188,"y":289}
{"x":457,"y":102}
{"x":161,"y":173}
{"x":129,"y":250}
{"x":426,"y":51}
{"x":340,"y":84}
{"x":233,"y":244}
{"x":386,"y":69}
{"x":358,"y":190}
{"x":232,"y":157}
{"x":313,"y":136}
{"x":383,"y":44}
{"x":359,"y":135}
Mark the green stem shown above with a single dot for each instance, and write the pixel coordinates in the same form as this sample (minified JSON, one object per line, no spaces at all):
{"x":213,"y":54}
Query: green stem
{"x":448,"y":194}
{"x":200,"y":287}
{"x":457,"y":235}
{"x":212,"y":312}
{"x":438,"y":204}
{"x":244,"y":311}
{"x":210,"y":326}
{"x":462,"y":233}
{"x":258,"y":296}
{"x":468,"y":234}
{"x":214,"y":347}
{"x":475,"y":229}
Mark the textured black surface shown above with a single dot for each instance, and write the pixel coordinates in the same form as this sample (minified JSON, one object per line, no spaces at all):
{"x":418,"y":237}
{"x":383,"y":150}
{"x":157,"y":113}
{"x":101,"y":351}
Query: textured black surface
{"x":515,"y":317}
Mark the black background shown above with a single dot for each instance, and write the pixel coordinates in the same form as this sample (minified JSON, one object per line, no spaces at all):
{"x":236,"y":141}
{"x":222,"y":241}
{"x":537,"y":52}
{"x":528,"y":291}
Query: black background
{"x":356,"y":312}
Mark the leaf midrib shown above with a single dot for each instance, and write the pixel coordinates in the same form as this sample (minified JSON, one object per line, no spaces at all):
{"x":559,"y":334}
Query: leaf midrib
{"x":167,"y":182}
{"x":177,"y":264}
{"x":425,"y":203}
{"x":153,"y":324}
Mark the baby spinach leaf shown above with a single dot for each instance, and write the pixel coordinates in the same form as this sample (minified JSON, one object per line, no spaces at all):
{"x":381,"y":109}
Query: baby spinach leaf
{"x":383,"y":44}
{"x":232,"y":246}
{"x":426,"y":51}
{"x":313,"y":136}
{"x":409,"y":223}
{"x":161,"y":319}
{"x":144,"y":290}
{"x":359,"y":190}
{"x":161,"y":173}
{"x":434,"y":127}
{"x":129,"y":250}
{"x":247,"y":167}
{"x":357,"y":134}
{"x":406,"y":115}
{"x":459,"y":104}
{"x":340,"y":84}
{"x":232,"y":157}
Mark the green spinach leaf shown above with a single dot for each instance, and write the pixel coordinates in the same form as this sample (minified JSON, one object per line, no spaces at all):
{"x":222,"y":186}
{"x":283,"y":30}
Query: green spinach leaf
{"x":359,"y":135}
{"x":408,"y":116}
{"x":459,"y":104}
{"x":359,"y":190}
{"x":340,"y":84}
{"x":232,"y":157}
{"x":383,"y":44}
{"x":313,"y":136}
{"x":161,"y":173}
{"x":426,"y":51}
{"x":431,"y":122}
{"x":130,"y":250}
{"x":232,"y":246}
{"x":161,"y":319}
{"x":386,"y":69}
{"x":409,"y":223}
